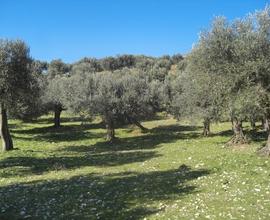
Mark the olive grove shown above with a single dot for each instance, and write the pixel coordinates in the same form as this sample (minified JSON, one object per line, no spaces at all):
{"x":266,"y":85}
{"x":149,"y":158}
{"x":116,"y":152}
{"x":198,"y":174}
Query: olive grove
{"x":226,"y":77}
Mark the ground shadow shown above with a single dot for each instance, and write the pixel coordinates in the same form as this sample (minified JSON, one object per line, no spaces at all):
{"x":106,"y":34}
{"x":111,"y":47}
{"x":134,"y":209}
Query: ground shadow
{"x":128,"y":195}
{"x":35,"y":165}
{"x":226,"y":133}
{"x":64,"y":119}
{"x":257,"y":136}
{"x":61,"y":134}
{"x":252,"y":135}
{"x":63,"y":128}
{"x":175,"y":128}
{"x":123,"y":151}
{"x":151,"y":140}
{"x":81,"y":132}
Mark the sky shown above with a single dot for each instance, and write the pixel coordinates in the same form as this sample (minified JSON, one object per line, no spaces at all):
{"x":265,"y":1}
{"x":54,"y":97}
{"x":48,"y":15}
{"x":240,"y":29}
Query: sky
{"x":73,"y":29}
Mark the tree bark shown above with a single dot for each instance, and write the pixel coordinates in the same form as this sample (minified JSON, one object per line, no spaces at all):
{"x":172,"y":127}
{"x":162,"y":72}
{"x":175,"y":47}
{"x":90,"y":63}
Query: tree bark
{"x":57,"y":115}
{"x":232,"y":122}
{"x":206,"y":127}
{"x":252,"y":124}
{"x":265,"y":151}
{"x":110,"y":137}
{"x":262,"y":123}
{"x":238,"y":137}
{"x":7,"y":143}
{"x":266,"y":124}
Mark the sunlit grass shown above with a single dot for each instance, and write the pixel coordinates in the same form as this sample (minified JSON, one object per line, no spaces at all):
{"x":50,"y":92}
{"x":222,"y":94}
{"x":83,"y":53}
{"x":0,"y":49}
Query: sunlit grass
{"x":171,"y":172}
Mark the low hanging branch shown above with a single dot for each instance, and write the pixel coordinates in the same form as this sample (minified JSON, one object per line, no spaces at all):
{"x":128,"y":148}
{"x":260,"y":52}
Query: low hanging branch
{"x":136,"y":122}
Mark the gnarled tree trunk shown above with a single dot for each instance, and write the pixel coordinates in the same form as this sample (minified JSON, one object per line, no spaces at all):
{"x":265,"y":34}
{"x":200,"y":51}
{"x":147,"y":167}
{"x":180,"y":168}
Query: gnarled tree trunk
{"x":57,"y":113}
{"x":110,"y":128}
{"x":206,"y":127}
{"x":7,"y":143}
{"x":266,"y":149}
{"x":238,"y":137}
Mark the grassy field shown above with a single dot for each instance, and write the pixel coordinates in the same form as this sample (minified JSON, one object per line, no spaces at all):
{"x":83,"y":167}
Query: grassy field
{"x":171,"y":172}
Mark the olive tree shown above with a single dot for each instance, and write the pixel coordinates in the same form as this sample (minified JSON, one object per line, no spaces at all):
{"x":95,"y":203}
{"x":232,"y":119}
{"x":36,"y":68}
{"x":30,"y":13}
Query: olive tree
{"x":16,"y":83}
{"x":31,"y":107}
{"x":86,"y":65}
{"x":222,"y":55}
{"x":237,"y":54}
{"x":261,"y":68}
{"x":123,"y":94}
{"x":53,"y":97}
{"x":54,"y":88}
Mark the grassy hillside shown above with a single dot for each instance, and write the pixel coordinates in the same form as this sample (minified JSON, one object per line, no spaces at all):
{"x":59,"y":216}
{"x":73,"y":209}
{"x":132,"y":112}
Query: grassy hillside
{"x":171,"y":172}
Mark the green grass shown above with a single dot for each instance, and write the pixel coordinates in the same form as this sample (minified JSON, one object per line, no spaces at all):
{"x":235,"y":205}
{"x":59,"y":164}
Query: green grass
{"x":171,"y":172}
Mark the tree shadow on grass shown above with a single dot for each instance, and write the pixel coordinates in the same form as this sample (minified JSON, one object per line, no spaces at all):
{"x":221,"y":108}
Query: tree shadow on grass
{"x":49,"y":119}
{"x":252,"y":135}
{"x":226,"y":133}
{"x":15,"y":126}
{"x":156,"y":135}
{"x":151,"y":140}
{"x":64,"y":128}
{"x":144,"y":142}
{"x":64,"y":133}
{"x":257,"y":136}
{"x":127,"y":195}
{"x":125,"y":150}
{"x":34,"y":165}
{"x":175,"y":128}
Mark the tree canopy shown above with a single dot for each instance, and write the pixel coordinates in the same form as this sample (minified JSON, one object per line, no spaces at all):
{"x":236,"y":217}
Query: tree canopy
{"x":17,"y":84}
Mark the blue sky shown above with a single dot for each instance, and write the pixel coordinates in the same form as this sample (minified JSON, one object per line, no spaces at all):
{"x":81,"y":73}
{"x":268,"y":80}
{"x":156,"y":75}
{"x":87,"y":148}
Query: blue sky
{"x":72,"y":29}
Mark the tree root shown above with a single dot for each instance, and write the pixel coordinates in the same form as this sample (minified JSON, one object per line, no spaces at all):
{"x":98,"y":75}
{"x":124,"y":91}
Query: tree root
{"x":238,"y":140}
{"x":264,"y":151}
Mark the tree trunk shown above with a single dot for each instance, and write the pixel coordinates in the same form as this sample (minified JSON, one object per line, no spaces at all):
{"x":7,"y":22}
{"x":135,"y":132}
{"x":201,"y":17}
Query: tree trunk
{"x":252,"y":124}
{"x":110,"y":129}
{"x":262,"y":123}
{"x":57,"y":114}
{"x":266,"y":124}
{"x":238,"y":137}
{"x":7,"y":143}
{"x":265,"y":151}
{"x":232,"y":122}
{"x":137,"y":123}
{"x":206,"y":127}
